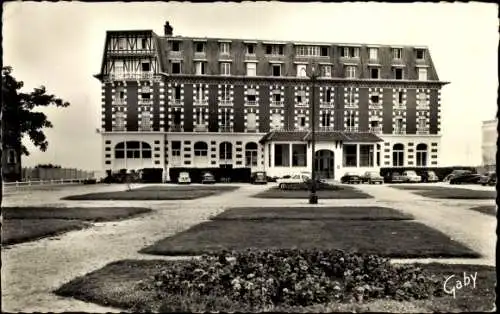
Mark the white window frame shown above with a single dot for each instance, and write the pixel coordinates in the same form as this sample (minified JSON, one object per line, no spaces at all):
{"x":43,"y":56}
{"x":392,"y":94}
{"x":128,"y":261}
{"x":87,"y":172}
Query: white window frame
{"x":350,"y":71}
{"x":225,"y":48}
{"x":255,"y":121}
{"x":423,"y":54}
{"x":373,"y":53}
{"x":301,"y":70}
{"x":272,"y":69}
{"x":249,"y":69}
{"x":199,"y":116}
{"x":422,"y":74}
{"x":326,"y":70}
{"x":200,"y":68}
{"x":397,"y":53}
{"x":225,"y":68}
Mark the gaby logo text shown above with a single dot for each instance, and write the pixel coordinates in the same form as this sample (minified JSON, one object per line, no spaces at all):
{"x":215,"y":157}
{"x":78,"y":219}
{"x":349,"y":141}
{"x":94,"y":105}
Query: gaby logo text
{"x":454,"y":283}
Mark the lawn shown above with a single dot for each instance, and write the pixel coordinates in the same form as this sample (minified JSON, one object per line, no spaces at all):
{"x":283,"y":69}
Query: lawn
{"x":442,"y":192}
{"x":188,"y":192}
{"x":80,"y":213}
{"x":313,"y":213}
{"x":343,"y":192}
{"x":23,"y":230}
{"x":23,"y":224}
{"x":387,"y":238}
{"x":120,"y":284}
{"x":488,"y":210}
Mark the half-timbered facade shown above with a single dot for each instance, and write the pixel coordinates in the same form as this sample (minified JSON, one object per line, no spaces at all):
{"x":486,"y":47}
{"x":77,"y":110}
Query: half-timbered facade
{"x":175,"y":101}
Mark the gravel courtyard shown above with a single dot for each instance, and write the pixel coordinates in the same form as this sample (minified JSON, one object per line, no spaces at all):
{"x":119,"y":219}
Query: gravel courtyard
{"x":30,"y":271}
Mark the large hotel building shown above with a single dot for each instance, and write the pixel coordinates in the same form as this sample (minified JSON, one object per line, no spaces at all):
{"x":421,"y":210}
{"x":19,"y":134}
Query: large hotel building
{"x":173,"y":101}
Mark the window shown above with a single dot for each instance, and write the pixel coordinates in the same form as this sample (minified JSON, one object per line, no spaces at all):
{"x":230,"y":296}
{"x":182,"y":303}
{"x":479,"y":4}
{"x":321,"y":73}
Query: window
{"x":146,"y":67}
{"x":324,"y":51}
{"x":422,"y":98}
{"x":225,"y":68}
{"x":422,"y":123}
{"x":122,"y":43}
{"x":199,"y":117}
{"x":176,"y":148}
{"x":325,"y":119}
{"x":250,"y":49}
{"x":225,"y":93}
{"x":144,"y":43}
{"x":276,"y":69}
{"x":200,"y":92}
{"x":375,"y":99}
{"x":373,"y":53}
{"x":326,"y":71}
{"x":177,"y":117}
{"x":225,"y":121}
{"x":146,"y":96}
{"x":200,"y":68}
{"x":120,"y":120}
{"x":200,"y":149}
{"x":398,"y":152}
{"x":366,"y":156}
{"x":306,"y":51}
{"x":120,"y":93}
{"x":397,"y":53}
{"x":11,"y":157}
{"x":328,"y":96}
{"x":398,"y":125}
{"x":299,"y":155}
{"x":420,"y":54}
{"x":145,"y":120}
{"x":398,"y":73}
{"x":251,"y":95}
{"x":118,"y":66}
{"x":226,"y":151}
{"x":282,"y":155}
{"x":400,"y":97}
{"x":302,"y":121}
{"x":199,"y":47}
{"x":177,"y":92}
{"x":301,"y":97}
{"x":350,"y":156}
{"x":351,"y":121}
{"x":275,"y":121}
{"x":422,"y":74}
{"x":350,"y":71}
{"x":251,"y":121}
{"x":301,"y":70}
{"x":176,"y":46}
{"x":374,"y":73}
{"x":251,"y":69}
{"x":251,"y":153}
{"x":274,"y":50}
{"x":176,"y":68}
{"x":132,"y":150}
{"x":276,"y":96}
{"x":349,"y":52}
{"x":224,"y":48}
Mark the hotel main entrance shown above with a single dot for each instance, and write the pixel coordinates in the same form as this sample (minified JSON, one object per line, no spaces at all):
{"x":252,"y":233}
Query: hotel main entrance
{"x":325,"y":164}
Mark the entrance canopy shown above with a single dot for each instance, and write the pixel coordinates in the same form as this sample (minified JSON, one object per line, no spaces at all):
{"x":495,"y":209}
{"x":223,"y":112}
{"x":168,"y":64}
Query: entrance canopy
{"x":321,"y":136}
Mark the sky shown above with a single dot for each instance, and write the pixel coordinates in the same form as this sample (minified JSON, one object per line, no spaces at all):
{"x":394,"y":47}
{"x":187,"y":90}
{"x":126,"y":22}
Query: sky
{"x":60,"y":45}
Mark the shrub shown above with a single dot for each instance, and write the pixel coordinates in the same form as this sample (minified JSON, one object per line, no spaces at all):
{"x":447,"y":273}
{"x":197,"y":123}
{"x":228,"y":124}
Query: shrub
{"x":262,"y":279}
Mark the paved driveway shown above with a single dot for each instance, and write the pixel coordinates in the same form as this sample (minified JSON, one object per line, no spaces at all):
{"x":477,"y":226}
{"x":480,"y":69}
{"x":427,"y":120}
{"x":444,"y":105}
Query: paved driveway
{"x":30,"y":271}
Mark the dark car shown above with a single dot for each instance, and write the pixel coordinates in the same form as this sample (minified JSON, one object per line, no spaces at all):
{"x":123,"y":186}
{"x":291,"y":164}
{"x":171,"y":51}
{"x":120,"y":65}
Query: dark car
{"x":372,"y":177}
{"x":471,"y":178}
{"x":207,"y":177}
{"x":258,"y":177}
{"x":429,"y":176}
{"x":489,"y":178}
{"x":350,"y":178}
{"x":455,"y":173}
{"x":394,"y":177}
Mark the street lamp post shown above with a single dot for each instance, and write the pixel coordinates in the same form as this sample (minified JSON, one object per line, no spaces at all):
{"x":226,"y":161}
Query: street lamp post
{"x":313,"y":198}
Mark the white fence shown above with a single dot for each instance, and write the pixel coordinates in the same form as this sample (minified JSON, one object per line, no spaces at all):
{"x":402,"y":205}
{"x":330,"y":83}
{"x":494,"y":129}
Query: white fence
{"x":43,"y":182}
{"x":47,"y":174}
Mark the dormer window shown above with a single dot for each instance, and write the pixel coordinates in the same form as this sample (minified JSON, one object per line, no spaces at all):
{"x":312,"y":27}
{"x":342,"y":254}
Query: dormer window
{"x":225,"y":48}
{"x":307,"y":51}
{"x":275,"y":50}
{"x":374,"y":73}
{"x":251,"y":49}
{"x":350,"y":71}
{"x":146,"y":67}
{"x":349,"y":52}
{"x":176,"y":46}
{"x":326,"y":71}
{"x":199,"y":47}
{"x":301,"y":70}
{"x":398,"y":73}
{"x":144,"y":43}
{"x":373,"y":53}
{"x":420,"y":54}
{"x":176,"y":68}
{"x":397,"y":53}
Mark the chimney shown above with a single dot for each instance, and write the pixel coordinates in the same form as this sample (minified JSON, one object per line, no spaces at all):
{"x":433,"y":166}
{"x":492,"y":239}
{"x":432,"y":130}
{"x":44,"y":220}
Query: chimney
{"x":168,"y":29}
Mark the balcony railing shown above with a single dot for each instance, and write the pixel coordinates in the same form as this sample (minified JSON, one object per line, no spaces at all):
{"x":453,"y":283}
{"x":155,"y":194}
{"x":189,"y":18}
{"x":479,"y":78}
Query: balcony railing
{"x":376,"y":129}
{"x":198,"y":102}
{"x":176,"y":102}
{"x":175,"y":54}
{"x":119,"y":128}
{"x":351,"y":129}
{"x":119,"y":102}
{"x":201,"y":54}
{"x":225,"y":103}
{"x":375,"y":106}
{"x":131,"y":52}
{"x":327,"y":128}
{"x":200,"y":128}
{"x":422,"y":130}
{"x":399,"y":106}
{"x":133,"y":76}
{"x":399,"y":131}
{"x":225,"y":128}
{"x":350,"y":105}
{"x":302,"y":104}
{"x":325,"y":104}
{"x":251,"y":103}
{"x":251,"y":130}
{"x":145,"y":102}
{"x":277,"y":103}
{"x":423,"y":107}
{"x":176,"y":128}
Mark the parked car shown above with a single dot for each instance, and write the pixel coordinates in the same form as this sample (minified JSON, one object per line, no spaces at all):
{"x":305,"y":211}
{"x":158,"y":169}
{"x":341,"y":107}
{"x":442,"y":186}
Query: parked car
{"x":207,"y":177}
{"x":411,"y":176}
{"x":429,"y":176}
{"x":471,"y":178}
{"x":184,"y":178}
{"x":489,"y":178}
{"x":372,"y":177}
{"x":393,"y":177}
{"x":455,"y":173}
{"x":258,"y":177}
{"x":350,"y":178}
{"x":284,"y":183}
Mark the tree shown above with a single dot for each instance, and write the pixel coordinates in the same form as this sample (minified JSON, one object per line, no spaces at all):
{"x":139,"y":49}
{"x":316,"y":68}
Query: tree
{"x":18,"y":117}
